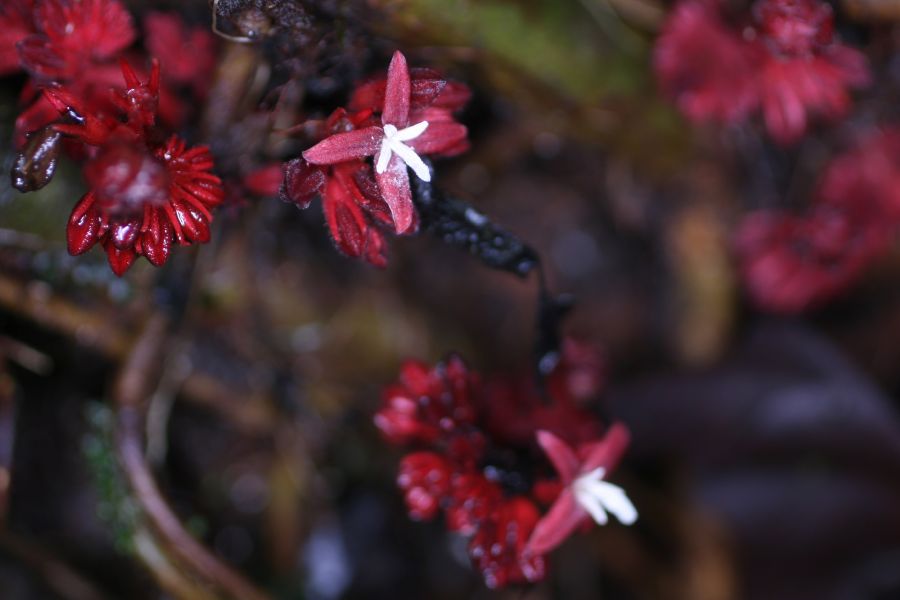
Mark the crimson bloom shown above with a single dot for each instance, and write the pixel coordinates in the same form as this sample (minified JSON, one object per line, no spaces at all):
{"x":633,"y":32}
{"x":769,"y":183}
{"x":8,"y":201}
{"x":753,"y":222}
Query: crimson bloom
{"x":461,"y":465}
{"x":397,"y":142}
{"x":74,"y":34}
{"x":792,"y":262}
{"x":351,"y":200}
{"x":148,"y":192}
{"x":703,"y":66}
{"x":783,"y":59}
{"x":585,"y":494}
{"x":427,"y":402}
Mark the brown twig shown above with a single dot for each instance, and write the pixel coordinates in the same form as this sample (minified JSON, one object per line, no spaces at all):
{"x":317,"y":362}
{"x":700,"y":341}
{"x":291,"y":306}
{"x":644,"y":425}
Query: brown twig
{"x":131,"y":389}
{"x":37,"y":302}
{"x":55,"y":574}
{"x":246,"y":411}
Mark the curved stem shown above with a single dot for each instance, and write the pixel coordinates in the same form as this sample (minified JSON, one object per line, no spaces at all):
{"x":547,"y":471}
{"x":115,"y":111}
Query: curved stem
{"x":130,"y":391}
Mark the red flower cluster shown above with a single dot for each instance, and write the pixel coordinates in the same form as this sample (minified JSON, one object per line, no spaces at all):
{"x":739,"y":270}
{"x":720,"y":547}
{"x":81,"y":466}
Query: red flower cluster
{"x":450,"y":416}
{"x":77,"y":43}
{"x":784,"y":60}
{"x":395,"y":118}
{"x":792,"y":262}
{"x":146,"y":192}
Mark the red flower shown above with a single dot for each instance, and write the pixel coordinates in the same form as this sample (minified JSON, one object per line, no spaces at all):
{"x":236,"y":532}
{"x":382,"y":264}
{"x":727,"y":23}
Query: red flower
{"x":586,"y":495}
{"x":145,"y":195}
{"x":351,"y":199}
{"x":73,"y":34}
{"x":786,"y":62}
{"x":498,"y":547}
{"x":793,"y":262}
{"x":427,"y":403}
{"x":807,"y":72}
{"x":473,"y":474}
{"x":388,"y":141}
{"x":704,"y":66}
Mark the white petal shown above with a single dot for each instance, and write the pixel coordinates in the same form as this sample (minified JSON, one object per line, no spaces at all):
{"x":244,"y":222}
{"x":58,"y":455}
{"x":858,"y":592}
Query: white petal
{"x":412,"y":132}
{"x":622,"y":508}
{"x":412,"y":160}
{"x":384,"y":157}
{"x":597,"y":496}
{"x":593,"y":506}
{"x":613,"y":498}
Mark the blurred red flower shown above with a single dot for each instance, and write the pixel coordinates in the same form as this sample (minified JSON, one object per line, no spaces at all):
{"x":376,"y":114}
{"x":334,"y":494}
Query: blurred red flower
{"x":784,"y":60}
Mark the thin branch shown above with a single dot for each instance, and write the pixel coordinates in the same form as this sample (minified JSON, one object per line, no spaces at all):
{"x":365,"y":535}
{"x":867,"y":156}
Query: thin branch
{"x":131,"y":389}
{"x":55,"y":574}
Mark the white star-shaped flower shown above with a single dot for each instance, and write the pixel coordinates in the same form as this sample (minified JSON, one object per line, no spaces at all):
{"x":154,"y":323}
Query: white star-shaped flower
{"x":598,"y":497}
{"x":393,"y":144}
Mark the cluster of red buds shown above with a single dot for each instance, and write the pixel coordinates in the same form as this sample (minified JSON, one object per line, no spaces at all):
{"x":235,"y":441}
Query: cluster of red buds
{"x":78,"y":43}
{"x":481,"y":453}
{"x":782,"y":58}
{"x":393,"y":120}
{"x":791,"y":262}
{"x":147,"y":190}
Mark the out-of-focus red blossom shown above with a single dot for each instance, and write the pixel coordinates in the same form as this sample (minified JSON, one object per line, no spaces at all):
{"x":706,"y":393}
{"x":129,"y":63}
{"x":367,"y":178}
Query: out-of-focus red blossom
{"x":186,"y":54}
{"x":498,"y":547}
{"x":792,"y":262}
{"x":392,"y":119}
{"x":784,"y":59}
{"x":72,"y":34}
{"x":426,"y":403}
{"x":424,"y":478}
{"x":449,"y":412}
{"x":147,"y":192}
{"x":76,"y":43}
{"x":16,"y":23}
{"x":704,"y":66}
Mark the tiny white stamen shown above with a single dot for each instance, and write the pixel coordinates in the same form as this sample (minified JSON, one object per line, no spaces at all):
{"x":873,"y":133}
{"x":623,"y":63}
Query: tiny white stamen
{"x":393,"y":144}
{"x":598,"y":497}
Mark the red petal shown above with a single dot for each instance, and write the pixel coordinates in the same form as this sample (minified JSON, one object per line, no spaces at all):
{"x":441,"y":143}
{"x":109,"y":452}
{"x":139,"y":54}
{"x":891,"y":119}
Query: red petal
{"x":345,"y":219}
{"x":564,"y":459}
{"x":607,"y":452}
{"x":40,"y":59}
{"x":397,"y":93}
{"x":342,"y":147}
{"x":301,"y":182}
{"x":454,"y":96}
{"x":561,"y":520}
{"x":156,"y":244}
{"x":84,"y":226}
{"x":119,"y":260}
{"x":394,"y":185}
{"x":439,"y":138}
{"x":375,"y":251}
